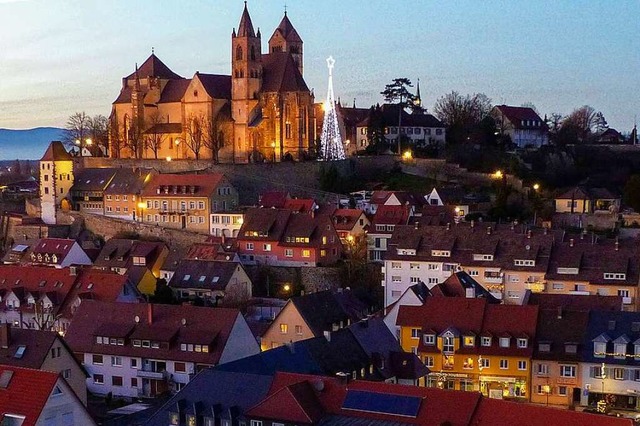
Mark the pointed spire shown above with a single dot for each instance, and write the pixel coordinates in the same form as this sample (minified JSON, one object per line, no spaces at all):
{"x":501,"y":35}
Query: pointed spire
{"x":245,"y":29}
{"x":418,"y":98}
{"x":354,"y":103}
{"x":137,"y":81}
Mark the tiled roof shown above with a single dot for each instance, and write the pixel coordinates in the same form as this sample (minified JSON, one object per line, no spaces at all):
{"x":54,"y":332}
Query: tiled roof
{"x":264,"y":220}
{"x":93,"y":179}
{"x":346,"y":219}
{"x":458,"y":283}
{"x":204,"y":185}
{"x":119,"y":253}
{"x":204,"y":274}
{"x":27,"y":392}
{"x":273,"y":199}
{"x":558,"y":327}
{"x":154,"y":67}
{"x":127,"y":181}
{"x":37,"y":344}
{"x":287,"y":30}
{"x":583,"y":193}
{"x":390,"y":118}
{"x":296,"y":403}
{"x":323,"y":309}
{"x":299,"y":205}
{"x":391,"y":215}
{"x":499,"y":412}
{"x":210,"y":251}
{"x":56,"y":152}
{"x":174,"y":90}
{"x":58,"y":246}
{"x":179,"y":324}
{"x":214,"y":391}
{"x":245,"y":28}
{"x":217,"y":86}
{"x":281,"y":74}
{"x":518,"y":114}
{"x":546,"y":301}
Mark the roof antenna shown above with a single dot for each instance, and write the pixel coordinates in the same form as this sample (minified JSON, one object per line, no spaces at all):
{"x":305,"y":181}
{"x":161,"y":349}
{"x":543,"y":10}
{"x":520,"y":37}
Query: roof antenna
{"x":153,"y":50}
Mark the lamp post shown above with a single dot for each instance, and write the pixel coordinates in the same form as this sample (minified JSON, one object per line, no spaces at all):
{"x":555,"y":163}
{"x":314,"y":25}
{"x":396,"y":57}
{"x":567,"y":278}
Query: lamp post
{"x":547,"y":390}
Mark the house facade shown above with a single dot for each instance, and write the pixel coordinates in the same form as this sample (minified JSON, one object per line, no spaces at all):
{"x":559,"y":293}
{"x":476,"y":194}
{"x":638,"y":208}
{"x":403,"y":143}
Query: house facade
{"x":522,"y":125}
{"x":56,"y":179}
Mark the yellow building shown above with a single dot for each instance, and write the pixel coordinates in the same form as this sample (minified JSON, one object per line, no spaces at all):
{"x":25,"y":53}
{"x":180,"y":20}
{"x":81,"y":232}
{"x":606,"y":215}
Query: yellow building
{"x":56,"y":179}
{"x":186,"y":201}
{"x":469,"y":344}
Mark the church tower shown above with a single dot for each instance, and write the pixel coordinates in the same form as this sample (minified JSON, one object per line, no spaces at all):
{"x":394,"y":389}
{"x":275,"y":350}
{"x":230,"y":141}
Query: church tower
{"x":286,"y":39}
{"x":56,"y":179}
{"x":246,"y":78}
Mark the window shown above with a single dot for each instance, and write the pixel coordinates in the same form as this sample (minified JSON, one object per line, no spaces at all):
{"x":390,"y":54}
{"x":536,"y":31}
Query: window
{"x":116,"y":361}
{"x":567,"y":371}
{"x":299,"y":330}
{"x":428,"y":361}
{"x":429,"y":339}
{"x":116,"y":381}
{"x":523,"y":343}
{"x":522,"y":365}
{"x":288,"y":252}
{"x":544,"y":347}
{"x":504,"y":342}
{"x":306,"y":253}
{"x":66,"y":373}
{"x":447,"y":343}
{"x":97,"y":360}
{"x":618,"y":373}
{"x":469,"y":341}
{"x":414,"y":266}
{"x":284,"y":328}
{"x":256,"y":423}
{"x":134,"y":362}
{"x":414,"y":280}
{"x":562,"y":390}
{"x":396,"y":265}
{"x":504,"y":364}
{"x":179,"y":367}
{"x":415,"y":333}
{"x":485,"y":341}
{"x":484,"y":362}
{"x":542,"y":369}
{"x":249,"y":246}
{"x":467,"y":363}
{"x":613,"y":276}
{"x":98,"y":379}
{"x":396,"y":279}
{"x":599,"y":349}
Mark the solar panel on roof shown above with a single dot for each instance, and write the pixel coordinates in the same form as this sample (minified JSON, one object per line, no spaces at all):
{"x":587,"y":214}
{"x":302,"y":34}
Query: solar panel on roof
{"x":382,"y":403}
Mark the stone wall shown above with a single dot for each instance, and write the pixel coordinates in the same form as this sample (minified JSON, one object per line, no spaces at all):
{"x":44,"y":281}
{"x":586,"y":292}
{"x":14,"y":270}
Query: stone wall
{"x":108,"y":227}
{"x":298,"y":178}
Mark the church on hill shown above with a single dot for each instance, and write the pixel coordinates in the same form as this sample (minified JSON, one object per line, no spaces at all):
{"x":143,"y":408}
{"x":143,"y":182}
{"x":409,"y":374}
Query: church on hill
{"x":263,"y":111}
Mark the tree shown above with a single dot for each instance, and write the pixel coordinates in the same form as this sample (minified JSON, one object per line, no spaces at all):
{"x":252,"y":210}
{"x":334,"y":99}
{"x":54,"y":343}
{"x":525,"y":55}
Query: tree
{"x":631,"y":195}
{"x":135,"y":138}
{"x":163,"y":293}
{"x":76,"y":130}
{"x":154,"y":138}
{"x":583,"y":123}
{"x":116,"y":141}
{"x":462,"y":114}
{"x":213,"y":137}
{"x":398,"y":92}
{"x":378,"y":143}
{"x":98,"y":128}
{"x":195,"y":134}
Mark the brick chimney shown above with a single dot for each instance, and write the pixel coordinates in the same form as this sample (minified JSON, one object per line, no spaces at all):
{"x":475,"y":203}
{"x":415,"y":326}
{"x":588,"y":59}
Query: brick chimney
{"x":5,"y":335}
{"x":150,"y":313}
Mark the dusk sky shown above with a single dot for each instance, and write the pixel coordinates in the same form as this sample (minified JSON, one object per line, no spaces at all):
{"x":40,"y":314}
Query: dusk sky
{"x":62,"y":56}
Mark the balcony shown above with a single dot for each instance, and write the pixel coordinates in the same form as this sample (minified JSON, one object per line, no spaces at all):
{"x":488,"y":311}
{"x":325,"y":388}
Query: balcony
{"x":493,"y":278}
{"x":154,"y":375}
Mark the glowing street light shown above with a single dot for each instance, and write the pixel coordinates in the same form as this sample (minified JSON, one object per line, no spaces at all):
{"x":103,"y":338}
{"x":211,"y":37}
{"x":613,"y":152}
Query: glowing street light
{"x":498,"y":174}
{"x":89,"y":141}
{"x":286,"y":287}
{"x":169,"y":159}
{"x":536,"y":186}
{"x":407,"y":155}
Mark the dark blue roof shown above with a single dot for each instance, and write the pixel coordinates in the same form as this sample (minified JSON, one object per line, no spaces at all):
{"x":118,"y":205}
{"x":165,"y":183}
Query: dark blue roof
{"x":613,"y":325}
{"x":216,"y":391}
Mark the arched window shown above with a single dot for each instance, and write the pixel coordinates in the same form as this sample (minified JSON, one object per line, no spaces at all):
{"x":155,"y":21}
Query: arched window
{"x":239,"y":53}
{"x":253,"y":53}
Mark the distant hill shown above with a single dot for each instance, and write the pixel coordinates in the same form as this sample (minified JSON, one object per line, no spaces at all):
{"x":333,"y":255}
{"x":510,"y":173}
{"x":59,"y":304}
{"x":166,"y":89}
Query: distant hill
{"x":27,"y":144}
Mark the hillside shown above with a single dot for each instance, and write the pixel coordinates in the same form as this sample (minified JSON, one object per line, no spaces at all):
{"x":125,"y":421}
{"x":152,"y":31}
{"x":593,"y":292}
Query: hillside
{"x":27,"y":144}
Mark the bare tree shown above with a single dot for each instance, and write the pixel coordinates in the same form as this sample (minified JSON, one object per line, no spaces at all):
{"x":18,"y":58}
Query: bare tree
{"x":98,"y":127}
{"x":462,"y":113}
{"x":77,"y":130}
{"x":213,"y":136}
{"x":584,"y":122}
{"x":195,"y":134}
{"x":135,"y":138}
{"x":154,"y":137}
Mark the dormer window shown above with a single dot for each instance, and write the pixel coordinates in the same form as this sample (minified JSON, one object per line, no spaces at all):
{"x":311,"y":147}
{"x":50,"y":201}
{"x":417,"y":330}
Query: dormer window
{"x":570,"y":348}
{"x":483,"y":257}
{"x":440,"y":253}
{"x":485,"y":341}
{"x":448,"y":343}
{"x":614,"y":276}
{"x":620,"y":350}
{"x":599,"y":349}
{"x":523,"y":343}
{"x":544,"y":347}
{"x":429,"y":339}
{"x":505,"y":342}
{"x":469,"y":341}
{"x":521,"y":262}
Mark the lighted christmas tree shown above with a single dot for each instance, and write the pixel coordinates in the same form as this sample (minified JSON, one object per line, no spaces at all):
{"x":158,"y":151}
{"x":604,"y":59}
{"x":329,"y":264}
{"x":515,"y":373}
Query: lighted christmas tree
{"x":331,"y":147}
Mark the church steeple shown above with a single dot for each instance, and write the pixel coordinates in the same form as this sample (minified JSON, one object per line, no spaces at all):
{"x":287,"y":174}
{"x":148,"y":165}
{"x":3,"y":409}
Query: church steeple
{"x":286,"y":39}
{"x":245,"y":29}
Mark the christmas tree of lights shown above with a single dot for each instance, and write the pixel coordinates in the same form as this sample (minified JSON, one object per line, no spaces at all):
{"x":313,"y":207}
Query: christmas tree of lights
{"x":331,"y":147}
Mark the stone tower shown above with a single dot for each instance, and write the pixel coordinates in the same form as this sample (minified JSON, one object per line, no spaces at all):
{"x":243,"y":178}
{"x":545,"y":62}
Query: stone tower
{"x":56,"y":179}
{"x":246,"y":78}
{"x":286,"y":39}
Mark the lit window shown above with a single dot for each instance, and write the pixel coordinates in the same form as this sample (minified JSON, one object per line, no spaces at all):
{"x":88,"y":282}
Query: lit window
{"x":568,"y":371}
{"x":284,"y":328}
{"x":469,"y":340}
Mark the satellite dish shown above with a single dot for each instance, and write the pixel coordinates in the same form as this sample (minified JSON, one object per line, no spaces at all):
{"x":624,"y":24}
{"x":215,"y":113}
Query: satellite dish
{"x":136,"y":319}
{"x":184,"y":321}
{"x":318,"y":385}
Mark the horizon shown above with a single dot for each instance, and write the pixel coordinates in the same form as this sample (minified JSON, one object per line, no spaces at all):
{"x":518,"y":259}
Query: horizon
{"x":576,"y":57}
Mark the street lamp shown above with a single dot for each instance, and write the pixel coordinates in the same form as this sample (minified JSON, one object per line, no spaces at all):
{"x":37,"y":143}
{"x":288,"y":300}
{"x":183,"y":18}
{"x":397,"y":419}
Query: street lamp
{"x":547,"y":390}
{"x":141,"y":206}
{"x":273,"y":146}
{"x":498,"y":174}
{"x":536,"y":186}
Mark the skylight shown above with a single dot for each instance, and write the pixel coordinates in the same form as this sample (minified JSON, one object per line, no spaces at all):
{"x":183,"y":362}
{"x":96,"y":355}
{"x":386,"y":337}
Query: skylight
{"x":20,"y":352}
{"x":372,"y":402}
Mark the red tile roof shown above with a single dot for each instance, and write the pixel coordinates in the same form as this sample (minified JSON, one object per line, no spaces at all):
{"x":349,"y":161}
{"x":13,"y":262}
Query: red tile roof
{"x":154,"y":67}
{"x":56,"y":152}
{"x":391,"y":215}
{"x":205,"y":185}
{"x":273,"y":199}
{"x":27,"y":393}
{"x":174,"y":90}
{"x":209,"y":326}
{"x":517,"y":114}
{"x":499,"y":412}
{"x":296,"y":403}
{"x":299,"y":205}
{"x":281,"y":74}
{"x":346,"y":219}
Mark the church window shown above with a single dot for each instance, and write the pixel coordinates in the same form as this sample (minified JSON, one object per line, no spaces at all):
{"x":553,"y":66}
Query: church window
{"x":253,"y":53}
{"x":287,"y":128}
{"x":239,"y":53}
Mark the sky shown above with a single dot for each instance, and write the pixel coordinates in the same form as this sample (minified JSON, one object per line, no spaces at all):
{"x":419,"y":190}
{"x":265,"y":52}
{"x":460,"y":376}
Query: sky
{"x":58,"y":57}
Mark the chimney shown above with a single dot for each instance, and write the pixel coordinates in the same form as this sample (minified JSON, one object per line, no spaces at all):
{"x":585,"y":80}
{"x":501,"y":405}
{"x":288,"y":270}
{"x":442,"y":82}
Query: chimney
{"x":559,"y":312}
{"x":617,"y":245}
{"x":470,"y":293}
{"x":416,"y":225}
{"x":327,"y":335}
{"x":473,"y":223}
{"x":73,"y":271}
{"x":150,"y":313}
{"x":5,"y":335}
{"x":571,"y":242}
{"x":488,"y":230}
{"x":448,"y":226}
{"x":343,"y":378}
